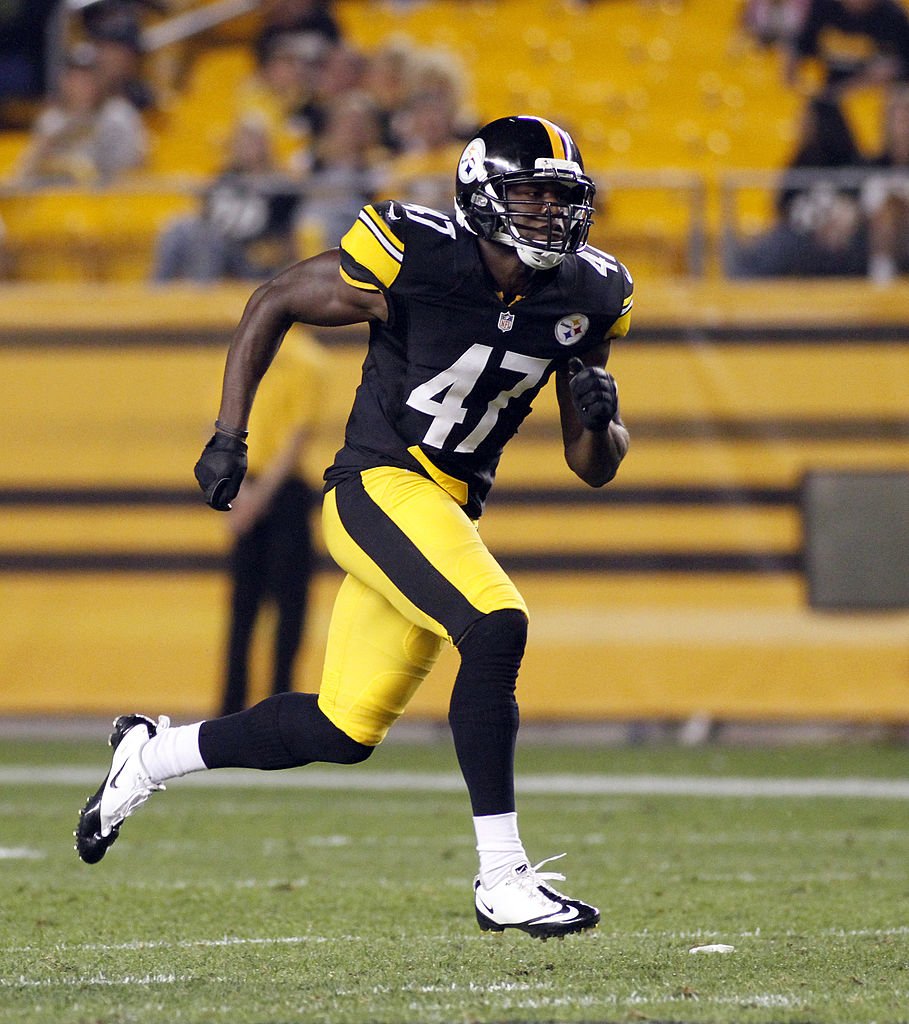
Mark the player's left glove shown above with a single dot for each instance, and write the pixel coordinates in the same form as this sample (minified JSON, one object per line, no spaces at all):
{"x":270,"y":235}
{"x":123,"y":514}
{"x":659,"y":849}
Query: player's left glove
{"x":221,"y":468}
{"x":594,"y":394}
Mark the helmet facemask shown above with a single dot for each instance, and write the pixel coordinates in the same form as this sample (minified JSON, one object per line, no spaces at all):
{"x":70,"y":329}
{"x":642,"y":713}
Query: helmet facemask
{"x":543,"y":214}
{"x":545,"y":217}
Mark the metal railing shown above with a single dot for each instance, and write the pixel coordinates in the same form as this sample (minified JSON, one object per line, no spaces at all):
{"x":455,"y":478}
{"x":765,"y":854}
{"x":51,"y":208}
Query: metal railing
{"x":659,"y":217}
{"x":669,"y":222}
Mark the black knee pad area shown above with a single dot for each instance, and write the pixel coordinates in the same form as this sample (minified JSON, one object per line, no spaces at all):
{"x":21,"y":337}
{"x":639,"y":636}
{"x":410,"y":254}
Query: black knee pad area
{"x":500,"y":634}
{"x":287,"y":730}
{"x":491,"y":653}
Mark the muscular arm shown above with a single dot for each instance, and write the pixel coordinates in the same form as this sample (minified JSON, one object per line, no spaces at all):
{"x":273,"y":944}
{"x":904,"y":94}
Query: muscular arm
{"x":594,"y":455}
{"x":311,"y":292}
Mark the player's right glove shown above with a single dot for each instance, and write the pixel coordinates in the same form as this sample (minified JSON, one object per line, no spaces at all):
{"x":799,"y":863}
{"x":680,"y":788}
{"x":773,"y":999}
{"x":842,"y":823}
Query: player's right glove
{"x":594,"y":394}
{"x":221,"y":468}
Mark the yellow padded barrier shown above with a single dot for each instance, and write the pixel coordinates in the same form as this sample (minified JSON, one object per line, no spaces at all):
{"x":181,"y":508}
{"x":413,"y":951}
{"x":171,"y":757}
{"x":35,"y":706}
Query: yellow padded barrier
{"x":163,"y":400}
{"x":664,"y":644}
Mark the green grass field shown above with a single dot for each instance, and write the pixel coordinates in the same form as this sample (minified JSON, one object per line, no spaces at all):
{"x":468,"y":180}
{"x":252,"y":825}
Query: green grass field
{"x":277,"y":902}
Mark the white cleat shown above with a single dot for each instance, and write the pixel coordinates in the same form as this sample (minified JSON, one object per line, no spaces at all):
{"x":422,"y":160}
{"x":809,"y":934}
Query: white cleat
{"x":125,"y":789}
{"x":525,"y":901}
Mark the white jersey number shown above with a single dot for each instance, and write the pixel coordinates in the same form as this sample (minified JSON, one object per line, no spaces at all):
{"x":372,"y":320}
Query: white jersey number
{"x":442,"y":396}
{"x":429,"y":218}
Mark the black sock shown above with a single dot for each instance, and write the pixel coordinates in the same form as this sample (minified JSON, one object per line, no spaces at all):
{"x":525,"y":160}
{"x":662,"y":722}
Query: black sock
{"x":483,"y":714}
{"x":284,"y":731}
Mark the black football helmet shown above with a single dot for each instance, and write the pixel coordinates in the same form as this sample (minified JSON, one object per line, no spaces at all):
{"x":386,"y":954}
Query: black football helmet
{"x":525,"y":150}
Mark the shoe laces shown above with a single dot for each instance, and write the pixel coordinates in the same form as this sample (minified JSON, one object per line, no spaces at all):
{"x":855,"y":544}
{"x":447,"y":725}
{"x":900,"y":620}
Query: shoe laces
{"x":531,"y":880}
{"x":558,"y":876}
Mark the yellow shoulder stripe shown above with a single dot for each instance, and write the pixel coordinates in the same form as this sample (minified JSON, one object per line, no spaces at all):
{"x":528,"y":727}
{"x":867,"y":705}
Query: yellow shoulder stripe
{"x":373,"y":215}
{"x":371,"y":243}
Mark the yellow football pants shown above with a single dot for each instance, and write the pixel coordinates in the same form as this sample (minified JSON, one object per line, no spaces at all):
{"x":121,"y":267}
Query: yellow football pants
{"x":418,"y":575}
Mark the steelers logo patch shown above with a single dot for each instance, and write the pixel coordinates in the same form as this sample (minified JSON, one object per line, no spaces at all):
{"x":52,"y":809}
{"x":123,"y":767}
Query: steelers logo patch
{"x":570,"y":329}
{"x":471,"y":166}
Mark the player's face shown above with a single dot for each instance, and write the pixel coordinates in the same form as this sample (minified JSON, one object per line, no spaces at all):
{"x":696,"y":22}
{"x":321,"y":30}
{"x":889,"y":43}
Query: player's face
{"x":540,"y":209}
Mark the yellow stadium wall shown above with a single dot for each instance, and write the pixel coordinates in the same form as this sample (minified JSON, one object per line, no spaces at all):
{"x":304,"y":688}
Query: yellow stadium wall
{"x":94,"y":401}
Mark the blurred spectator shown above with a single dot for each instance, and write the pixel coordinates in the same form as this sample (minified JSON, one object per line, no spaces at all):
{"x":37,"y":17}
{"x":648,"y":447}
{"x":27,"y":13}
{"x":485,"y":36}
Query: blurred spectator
{"x":99,"y":15}
{"x":346,"y":168}
{"x":820,"y":230}
{"x":23,"y":42}
{"x":272,"y":559}
{"x":857,"y":42}
{"x":429,"y":131}
{"x":342,"y":70}
{"x":773,"y":22}
{"x":246,"y":226}
{"x":82,"y":137}
{"x":299,"y":17}
{"x":431,"y":73}
{"x":428,"y":126}
{"x":282,"y":87}
{"x":886,"y":196}
{"x":387,"y":80}
{"x":118,"y":42}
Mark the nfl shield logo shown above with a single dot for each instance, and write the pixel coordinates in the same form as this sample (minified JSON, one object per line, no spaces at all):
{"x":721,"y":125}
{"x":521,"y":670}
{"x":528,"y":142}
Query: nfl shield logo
{"x":506,"y":321}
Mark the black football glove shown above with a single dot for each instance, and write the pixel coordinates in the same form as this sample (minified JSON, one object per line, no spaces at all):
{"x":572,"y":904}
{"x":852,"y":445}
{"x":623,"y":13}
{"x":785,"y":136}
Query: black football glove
{"x":220,"y":470}
{"x":594,"y":394}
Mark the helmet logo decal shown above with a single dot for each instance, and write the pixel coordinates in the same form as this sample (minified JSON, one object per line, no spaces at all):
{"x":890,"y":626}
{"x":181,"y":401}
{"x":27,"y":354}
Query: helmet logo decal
{"x":471,"y":166}
{"x":506,"y":322}
{"x":571,"y":329}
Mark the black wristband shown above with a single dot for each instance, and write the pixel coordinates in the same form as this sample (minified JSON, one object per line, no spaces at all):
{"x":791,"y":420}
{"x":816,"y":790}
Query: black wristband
{"x":231,"y":431}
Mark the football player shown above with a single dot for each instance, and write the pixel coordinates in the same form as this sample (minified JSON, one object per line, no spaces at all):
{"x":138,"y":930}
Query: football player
{"x":469,"y":318}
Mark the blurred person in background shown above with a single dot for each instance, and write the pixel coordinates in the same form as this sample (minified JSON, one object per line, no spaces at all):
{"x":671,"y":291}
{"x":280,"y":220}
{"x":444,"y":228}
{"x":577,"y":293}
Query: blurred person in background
{"x":820,"y":229}
{"x":430,"y":136}
{"x":97,"y":16}
{"x":342,"y":71}
{"x":298,"y":17}
{"x":885,"y":196}
{"x":858,"y":43}
{"x":83,"y":137}
{"x":345,"y":168}
{"x":437,"y":73}
{"x":387,"y":80}
{"x":245,"y":228}
{"x":773,"y":22}
{"x":278,"y":93}
{"x":118,"y":44}
{"x":272,"y":557}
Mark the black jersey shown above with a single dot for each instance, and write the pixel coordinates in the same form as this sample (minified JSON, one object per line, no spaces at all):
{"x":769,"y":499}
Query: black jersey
{"x":452,"y":374}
